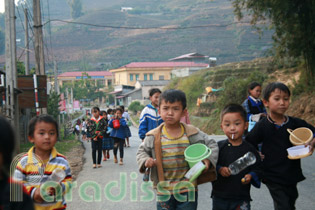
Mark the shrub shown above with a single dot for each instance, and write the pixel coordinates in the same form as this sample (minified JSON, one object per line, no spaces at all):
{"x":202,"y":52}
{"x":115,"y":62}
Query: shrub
{"x":135,"y":106}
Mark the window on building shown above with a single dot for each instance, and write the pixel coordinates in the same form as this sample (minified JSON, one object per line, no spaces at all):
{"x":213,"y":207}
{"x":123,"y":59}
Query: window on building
{"x":161,"y":77}
{"x":109,"y":82}
{"x":145,"y":77}
{"x":131,"y":77}
{"x":151,"y":76}
{"x":137,"y":77}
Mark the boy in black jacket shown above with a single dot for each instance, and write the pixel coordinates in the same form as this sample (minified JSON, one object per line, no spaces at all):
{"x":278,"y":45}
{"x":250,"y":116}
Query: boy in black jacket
{"x":232,"y":192}
{"x":280,"y":174}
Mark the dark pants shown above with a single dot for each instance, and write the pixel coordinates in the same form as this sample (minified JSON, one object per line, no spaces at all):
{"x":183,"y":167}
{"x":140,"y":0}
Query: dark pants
{"x":97,"y":146}
{"x":229,"y":204}
{"x":119,"y":143}
{"x":283,"y":196}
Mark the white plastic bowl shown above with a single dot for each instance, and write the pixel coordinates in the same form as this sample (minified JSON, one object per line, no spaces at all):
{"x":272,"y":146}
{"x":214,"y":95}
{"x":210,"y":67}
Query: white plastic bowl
{"x":298,"y":150}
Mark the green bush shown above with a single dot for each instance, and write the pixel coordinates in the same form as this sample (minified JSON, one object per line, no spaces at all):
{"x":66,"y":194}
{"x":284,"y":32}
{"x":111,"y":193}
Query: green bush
{"x":235,"y":89}
{"x":135,"y":106}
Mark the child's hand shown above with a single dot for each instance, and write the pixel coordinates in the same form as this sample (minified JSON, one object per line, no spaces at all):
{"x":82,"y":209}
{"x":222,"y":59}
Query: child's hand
{"x":312,"y":145}
{"x":246,"y":179}
{"x":207,"y":164}
{"x":150,"y":162}
{"x":37,"y":197}
{"x":225,"y":171}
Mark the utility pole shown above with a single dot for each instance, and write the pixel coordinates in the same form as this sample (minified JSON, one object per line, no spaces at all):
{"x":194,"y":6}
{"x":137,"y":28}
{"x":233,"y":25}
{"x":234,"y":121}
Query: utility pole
{"x":27,"y":55}
{"x":12,"y":108}
{"x":39,"y":44}
{"x":56,"y":78}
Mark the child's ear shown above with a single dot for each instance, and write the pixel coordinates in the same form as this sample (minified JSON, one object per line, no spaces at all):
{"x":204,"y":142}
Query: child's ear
{"x":265,"y":102}
{"x":246,"y":126}
{"x":30,"y":139}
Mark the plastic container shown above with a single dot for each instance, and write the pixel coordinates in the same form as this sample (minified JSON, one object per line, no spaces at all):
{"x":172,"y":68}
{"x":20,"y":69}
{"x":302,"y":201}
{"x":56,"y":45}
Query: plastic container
{"x":116,"y":124}
{"x":195,"y":171}
{"x":57,"y":175}
{"x":299,"y":150}
{"x":243,"y":162}
{"x":300,"y":136}
{"x":196,"y":153}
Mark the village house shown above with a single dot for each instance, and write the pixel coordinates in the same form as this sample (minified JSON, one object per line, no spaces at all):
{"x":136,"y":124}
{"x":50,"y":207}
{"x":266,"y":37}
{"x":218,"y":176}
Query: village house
{"x":149,"y":71}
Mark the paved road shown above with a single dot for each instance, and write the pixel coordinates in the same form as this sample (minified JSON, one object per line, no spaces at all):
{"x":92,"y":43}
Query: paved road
{"x":109,"y":196}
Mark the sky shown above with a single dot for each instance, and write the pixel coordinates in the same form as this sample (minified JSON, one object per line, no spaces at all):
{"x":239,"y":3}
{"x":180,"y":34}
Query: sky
{"x":2,"y":5}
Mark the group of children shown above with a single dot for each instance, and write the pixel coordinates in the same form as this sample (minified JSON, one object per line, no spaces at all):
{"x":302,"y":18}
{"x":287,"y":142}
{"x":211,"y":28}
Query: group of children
{"x":162,"y":151}
{"x":106,"y":136}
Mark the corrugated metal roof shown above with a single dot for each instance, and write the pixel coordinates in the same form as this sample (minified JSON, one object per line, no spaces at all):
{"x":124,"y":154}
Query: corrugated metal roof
{"x":90,"y":73}
{"x":164,"y":64}
{"x":189,"y":55}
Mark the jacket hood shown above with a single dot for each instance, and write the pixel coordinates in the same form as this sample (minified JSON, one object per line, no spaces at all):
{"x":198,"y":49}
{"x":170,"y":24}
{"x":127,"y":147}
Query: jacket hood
{"x":189,"y":129}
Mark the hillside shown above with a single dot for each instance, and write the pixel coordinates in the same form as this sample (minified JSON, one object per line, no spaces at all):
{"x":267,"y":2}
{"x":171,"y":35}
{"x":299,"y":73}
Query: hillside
{"x":77,"y":45}
{"x":206,"y":116}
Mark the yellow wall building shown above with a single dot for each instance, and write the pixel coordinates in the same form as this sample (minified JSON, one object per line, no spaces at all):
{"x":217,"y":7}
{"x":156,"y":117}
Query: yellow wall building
{"x":143,"y":71}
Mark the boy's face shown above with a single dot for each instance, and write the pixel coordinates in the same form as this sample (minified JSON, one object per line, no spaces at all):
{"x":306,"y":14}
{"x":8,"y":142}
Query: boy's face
{"x":171,"y":112}
{"x":155,"y":99}
{"x":278,"y":102}
{"x":233,"y":125}
{"x":45,"y":136}
{"x":96,"y":113}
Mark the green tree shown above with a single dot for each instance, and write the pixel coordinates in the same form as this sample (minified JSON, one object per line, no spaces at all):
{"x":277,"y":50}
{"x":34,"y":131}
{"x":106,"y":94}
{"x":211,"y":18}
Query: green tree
{"x":294,"y":24}
{"x":20,"y":68}
{"x":53,"y":104}
{"x":76,"y":8}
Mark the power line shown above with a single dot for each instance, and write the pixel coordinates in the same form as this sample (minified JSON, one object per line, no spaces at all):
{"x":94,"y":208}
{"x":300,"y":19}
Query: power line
{"x":143,"y":28}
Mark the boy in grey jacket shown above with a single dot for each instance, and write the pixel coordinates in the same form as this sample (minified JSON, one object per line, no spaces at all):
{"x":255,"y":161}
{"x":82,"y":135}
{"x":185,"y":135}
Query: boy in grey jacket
{"x":163,"y":151}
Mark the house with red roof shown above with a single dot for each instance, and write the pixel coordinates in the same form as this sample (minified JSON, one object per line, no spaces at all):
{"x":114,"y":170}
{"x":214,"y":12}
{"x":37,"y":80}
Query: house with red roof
{"x":143,"y":71}
{"x":102,"y":78}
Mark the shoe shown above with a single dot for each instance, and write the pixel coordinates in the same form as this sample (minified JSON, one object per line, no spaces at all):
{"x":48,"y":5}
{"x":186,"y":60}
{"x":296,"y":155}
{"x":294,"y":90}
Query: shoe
{"x":128,"y":145}
{"x":104,"y":159}
{"x":107,"y":155}
{"x":94,"y":165}
{"x":99,"y":166}
{"x":115,"y":160}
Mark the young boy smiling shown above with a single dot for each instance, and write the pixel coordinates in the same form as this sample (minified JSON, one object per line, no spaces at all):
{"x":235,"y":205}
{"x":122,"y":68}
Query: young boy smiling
{"x":163,"y":151}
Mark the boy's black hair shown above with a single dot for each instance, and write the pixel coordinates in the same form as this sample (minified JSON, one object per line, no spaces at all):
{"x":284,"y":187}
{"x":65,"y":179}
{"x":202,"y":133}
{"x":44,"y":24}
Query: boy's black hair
{"x":153,"y":91}
{"x":95,"y":108}
{"x":109,"y":111}
{"x":83,"y":119}
{"x":172,"y":96}
{"x":7,"y":142}
{"x":252,"y":85}
{"x":272,"y":87}
{"x":122,"y":107}
{"x":234,"y":108}
{"x":41,"y":118}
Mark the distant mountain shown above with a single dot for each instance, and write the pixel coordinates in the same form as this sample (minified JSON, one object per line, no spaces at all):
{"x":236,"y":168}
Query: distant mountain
{"x":78,"y":46}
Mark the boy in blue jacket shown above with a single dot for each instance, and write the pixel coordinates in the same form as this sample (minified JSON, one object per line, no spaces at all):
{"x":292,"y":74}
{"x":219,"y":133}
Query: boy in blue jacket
{"x":150,"y":118}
